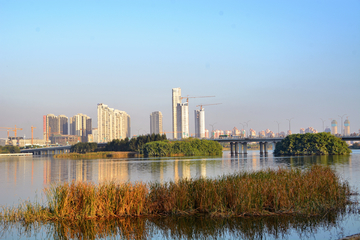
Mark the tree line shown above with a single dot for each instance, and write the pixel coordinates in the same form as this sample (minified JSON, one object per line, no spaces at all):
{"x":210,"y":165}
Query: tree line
{"x":9,"y":149}
{"x":187,"y":147}
{"x":134,"y":144}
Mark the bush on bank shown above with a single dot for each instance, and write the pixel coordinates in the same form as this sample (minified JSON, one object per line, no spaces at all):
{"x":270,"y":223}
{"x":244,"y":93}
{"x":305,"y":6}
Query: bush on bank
{"x":312,"y":144}
{"x":9,"y":149}
{"x":187,"y":147}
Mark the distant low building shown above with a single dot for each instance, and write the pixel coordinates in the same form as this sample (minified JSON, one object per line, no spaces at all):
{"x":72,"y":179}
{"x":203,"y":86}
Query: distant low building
{"x":311,"y":130}
{"x":64,"y":140}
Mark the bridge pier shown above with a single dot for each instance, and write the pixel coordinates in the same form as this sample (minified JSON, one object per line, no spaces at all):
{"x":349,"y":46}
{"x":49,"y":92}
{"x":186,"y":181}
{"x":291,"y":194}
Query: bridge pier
{"x":261,"y":148}
{"x":240,"y":148}
{"x":236,"y":148}
{"x":231,"y":148}
{"x":245,"y":147}
{"x":265,"y":148}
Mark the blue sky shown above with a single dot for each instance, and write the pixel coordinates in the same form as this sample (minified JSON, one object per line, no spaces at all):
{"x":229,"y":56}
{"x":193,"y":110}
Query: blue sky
{"x":265,"y":61}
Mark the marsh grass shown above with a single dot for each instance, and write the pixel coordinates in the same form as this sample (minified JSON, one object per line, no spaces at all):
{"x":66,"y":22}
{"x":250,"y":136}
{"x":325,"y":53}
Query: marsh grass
{"x":268,"y":192}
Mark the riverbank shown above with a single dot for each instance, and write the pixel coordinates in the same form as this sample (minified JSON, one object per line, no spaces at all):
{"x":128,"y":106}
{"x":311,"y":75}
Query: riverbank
{"x":15,"y":154}
{"x":268,"y":192}
{"x":96,"y":155}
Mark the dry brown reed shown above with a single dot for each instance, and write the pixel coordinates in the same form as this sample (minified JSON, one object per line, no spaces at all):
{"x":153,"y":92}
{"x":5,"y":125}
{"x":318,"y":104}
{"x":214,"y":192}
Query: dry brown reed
{"x":267,"y":192}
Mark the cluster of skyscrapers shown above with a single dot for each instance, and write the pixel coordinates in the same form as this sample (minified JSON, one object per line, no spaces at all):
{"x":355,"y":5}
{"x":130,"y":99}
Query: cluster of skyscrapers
{"x":56,"y":129}
{"x":115,"y":124}
{"x":180,"y":117}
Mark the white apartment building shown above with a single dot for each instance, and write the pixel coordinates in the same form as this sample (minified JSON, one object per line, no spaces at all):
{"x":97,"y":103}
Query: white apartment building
{"x":183,"y":119}
{"x":112,"y":124}
{"x":200,"y":123}
{"x":156,"y":125}
{"x":176,"y":99}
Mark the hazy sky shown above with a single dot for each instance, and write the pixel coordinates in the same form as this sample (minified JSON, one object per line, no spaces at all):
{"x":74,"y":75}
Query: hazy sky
{"x":265,"y":61}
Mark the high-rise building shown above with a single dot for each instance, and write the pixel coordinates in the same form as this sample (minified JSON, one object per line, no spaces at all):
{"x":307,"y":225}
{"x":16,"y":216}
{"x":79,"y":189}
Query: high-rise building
{"x":63,"y":124}
{"x":333,"y":127}
{"x":176,"y":99}
{"x":200,"y":123}
{"x":183,"y":119}
{"x":112,"y":124}
{"x":347,"y":127}
{"x":54,"y":125}
{"x":81,"y":125}
{"x":156,"y":123}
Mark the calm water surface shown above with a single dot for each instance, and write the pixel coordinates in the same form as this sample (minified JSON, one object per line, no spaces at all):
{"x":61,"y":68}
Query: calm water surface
{"x":24,"y":178}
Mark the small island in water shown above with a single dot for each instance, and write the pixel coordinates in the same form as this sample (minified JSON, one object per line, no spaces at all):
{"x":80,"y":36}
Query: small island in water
{"x":311,"y":144}
{"x":151,"y":145}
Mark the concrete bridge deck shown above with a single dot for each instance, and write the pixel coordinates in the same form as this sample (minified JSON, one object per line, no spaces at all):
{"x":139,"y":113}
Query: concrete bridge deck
{"x":238,"y":145}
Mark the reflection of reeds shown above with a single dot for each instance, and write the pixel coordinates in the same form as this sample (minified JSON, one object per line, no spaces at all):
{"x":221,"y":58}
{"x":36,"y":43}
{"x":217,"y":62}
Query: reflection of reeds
{"x":267,"y":192}
{"x":182,"y":227}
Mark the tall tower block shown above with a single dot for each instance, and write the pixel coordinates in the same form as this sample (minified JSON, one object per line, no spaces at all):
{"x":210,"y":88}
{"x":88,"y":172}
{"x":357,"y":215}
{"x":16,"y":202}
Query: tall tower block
{"x":183,"y":120}
{"x":200,"y":123}
{"x":156,"y":123}
{"x":333,"y":127}
{"x":176,"y":99}
{"x":347,"y":127}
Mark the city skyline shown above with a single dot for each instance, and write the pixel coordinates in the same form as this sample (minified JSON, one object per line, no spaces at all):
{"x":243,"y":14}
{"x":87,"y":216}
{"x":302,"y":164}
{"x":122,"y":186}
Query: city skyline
{"x":266,"y":62}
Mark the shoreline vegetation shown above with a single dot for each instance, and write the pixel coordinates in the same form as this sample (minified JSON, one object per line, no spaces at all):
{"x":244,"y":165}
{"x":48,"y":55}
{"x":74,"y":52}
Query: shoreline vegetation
{"x":310,"y":192}
{"x":186,"y":147}
{"x":311,"y":144}
{"x":154,"y":145}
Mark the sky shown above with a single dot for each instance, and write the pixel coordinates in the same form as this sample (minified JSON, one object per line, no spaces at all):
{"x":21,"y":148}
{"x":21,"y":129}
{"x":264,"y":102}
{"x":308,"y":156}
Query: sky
{"x":266,"y":62}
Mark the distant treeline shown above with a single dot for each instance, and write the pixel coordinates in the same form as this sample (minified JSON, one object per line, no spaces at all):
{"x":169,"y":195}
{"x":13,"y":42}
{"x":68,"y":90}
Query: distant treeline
{"x":84,"y":147}
{"x":9,"y":149}
{"x":187,"y":147}
{"x":355,"y":146}
{"x":133,"y":144}
{"x":312,"y":144}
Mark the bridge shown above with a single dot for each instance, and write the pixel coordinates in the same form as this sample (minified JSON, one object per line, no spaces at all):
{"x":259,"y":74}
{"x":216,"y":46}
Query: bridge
{"x":53,"y":150}
{"x":238,"y":145}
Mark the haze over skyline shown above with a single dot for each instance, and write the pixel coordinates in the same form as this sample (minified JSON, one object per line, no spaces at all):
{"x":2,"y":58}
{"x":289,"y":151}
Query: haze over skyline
{"x":265,"y":61}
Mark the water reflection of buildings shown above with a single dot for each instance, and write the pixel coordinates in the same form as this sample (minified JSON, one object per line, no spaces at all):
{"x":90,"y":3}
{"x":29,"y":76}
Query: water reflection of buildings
{"x":182,"y":169}
{"x":113,"y":171}
{"x":57,"y":170}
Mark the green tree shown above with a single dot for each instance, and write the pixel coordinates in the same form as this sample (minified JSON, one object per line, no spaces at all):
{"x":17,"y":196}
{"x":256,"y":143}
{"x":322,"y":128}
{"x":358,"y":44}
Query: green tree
{"x":311,"y":144}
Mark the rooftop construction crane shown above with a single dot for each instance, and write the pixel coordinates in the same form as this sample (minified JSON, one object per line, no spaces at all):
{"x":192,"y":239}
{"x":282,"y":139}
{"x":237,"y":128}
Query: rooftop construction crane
{"x":32,"y":135}
{"x":12,"y":129}
{"x":201,"y":105}
{"x":187,"y":97}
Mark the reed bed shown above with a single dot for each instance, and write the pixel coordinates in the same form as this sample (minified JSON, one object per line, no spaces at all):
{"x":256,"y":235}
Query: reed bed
{"x":268,"y":192}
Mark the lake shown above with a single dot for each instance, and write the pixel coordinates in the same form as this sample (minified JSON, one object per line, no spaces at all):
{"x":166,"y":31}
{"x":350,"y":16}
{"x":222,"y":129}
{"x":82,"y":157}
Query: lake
{"x":24,"y":178}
